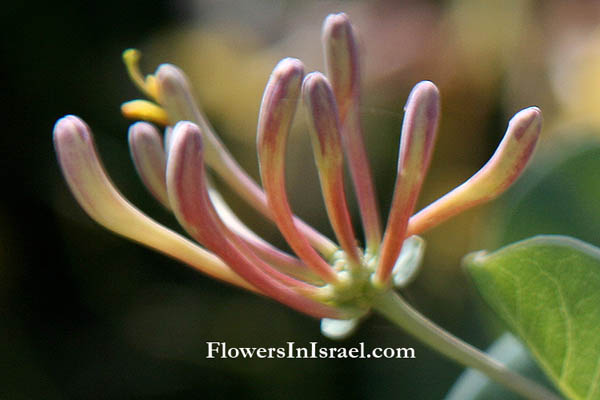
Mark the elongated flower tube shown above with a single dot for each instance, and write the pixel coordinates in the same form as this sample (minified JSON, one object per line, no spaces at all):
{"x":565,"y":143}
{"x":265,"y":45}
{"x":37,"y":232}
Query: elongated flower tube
{"x":343,"y":68}
{"x":97,"y":195}
{"x":321,"y":278}
{"x":324,"y":129}
{"x":277,"y":112}
{"x":505,"y":166}
{"x":189,"y":198}
{"x":418,"y":136}
{"x":148,"y":155}
{"x":175,"y":94}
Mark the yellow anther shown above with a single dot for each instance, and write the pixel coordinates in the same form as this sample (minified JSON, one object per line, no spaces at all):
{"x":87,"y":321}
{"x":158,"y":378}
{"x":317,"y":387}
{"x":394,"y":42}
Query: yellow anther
{"x":144,"y":110}
{"x":131,"y":58}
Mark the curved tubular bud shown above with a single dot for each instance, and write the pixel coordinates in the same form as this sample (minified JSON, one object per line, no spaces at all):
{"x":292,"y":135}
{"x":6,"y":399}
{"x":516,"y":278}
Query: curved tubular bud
{"x":276,"y":114}
{"x":189,"y":188}
{"x":146,"y":148}
{"x":501,"y":171}
{"x":416,"y":146}
{"x":144,"y":110}
{"x":341,"y":59}
{"x":175,"y":95}
{"x":270,"y":254}
{"x":191,"y":205}
{"x":324,"y":132}
{"x":150,"y":162}
{"x":343,"y":70}
{"x":95,"y":192}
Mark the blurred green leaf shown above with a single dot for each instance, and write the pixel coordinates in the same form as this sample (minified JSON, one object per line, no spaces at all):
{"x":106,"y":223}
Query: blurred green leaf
{"x":507,"y":349}
{"x":558,"y":195}
{"x":547,"y":289}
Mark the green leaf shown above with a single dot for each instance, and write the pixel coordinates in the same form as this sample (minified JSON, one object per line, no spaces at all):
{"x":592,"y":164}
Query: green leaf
{"x":507,"y":349}
{"x":547,"y":289}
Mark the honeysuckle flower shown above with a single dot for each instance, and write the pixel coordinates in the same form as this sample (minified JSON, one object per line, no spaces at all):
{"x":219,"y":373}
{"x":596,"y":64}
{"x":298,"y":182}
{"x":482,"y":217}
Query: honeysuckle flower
{"x":322,"y":279}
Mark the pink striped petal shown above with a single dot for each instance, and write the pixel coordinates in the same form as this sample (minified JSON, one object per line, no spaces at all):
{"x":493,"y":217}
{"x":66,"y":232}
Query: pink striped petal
{"x":276,"y":114}
{"x":418,"y":136}
{"x":176,"y":97}
{"x":99,"y":198}
{"x":501,"y":171}
{"x":343,"y":70}
{"x":145,"y":145}
{"x":188,"y":195}
{"x":270,"y":254}
{"x":324,"y":130}
{"x":342,"y":60}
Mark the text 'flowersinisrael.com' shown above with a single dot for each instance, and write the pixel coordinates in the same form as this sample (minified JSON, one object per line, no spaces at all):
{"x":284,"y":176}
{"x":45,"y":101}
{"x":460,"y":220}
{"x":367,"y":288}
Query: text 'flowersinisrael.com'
{"x":312,"y":350}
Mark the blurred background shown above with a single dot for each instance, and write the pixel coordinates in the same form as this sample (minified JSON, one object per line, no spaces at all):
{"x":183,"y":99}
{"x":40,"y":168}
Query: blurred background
{"x":86,"y":314}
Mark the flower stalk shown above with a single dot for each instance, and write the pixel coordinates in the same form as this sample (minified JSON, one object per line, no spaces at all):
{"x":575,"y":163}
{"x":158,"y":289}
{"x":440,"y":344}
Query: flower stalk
{"x":398,"y":311}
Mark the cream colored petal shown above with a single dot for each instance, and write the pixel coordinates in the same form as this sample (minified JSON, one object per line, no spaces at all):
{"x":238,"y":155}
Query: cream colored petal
{"x":97,"y":195}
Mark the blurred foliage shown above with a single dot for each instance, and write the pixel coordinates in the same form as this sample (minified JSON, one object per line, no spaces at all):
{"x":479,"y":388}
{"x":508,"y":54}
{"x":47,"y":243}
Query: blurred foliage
{"x":89,"y":315}
{"x":507,"y":349}
{"x":559,"y":196}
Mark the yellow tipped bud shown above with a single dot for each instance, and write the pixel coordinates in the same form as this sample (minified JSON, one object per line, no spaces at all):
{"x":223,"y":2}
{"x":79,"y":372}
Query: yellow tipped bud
{"x":146,"y":111}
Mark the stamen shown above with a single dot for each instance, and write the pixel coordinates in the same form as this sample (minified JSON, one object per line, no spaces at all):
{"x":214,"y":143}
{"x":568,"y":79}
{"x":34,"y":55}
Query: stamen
{"x":145,"y":145}
{"x":144,"y":110}
{"x":95,"y":192}
{"x":418,"y":136}
{"x":324,"y":131}
{"x":343,"y":70}
{"x":275,"y":118}
{"x":151,"y":86}
{"x":131,"y":58}
{"x":501,"y":171}
{"x":189,"y":198}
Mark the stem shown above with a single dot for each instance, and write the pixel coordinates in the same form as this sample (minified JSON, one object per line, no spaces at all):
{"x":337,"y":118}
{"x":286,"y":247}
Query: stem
{"x":398,"y":311}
